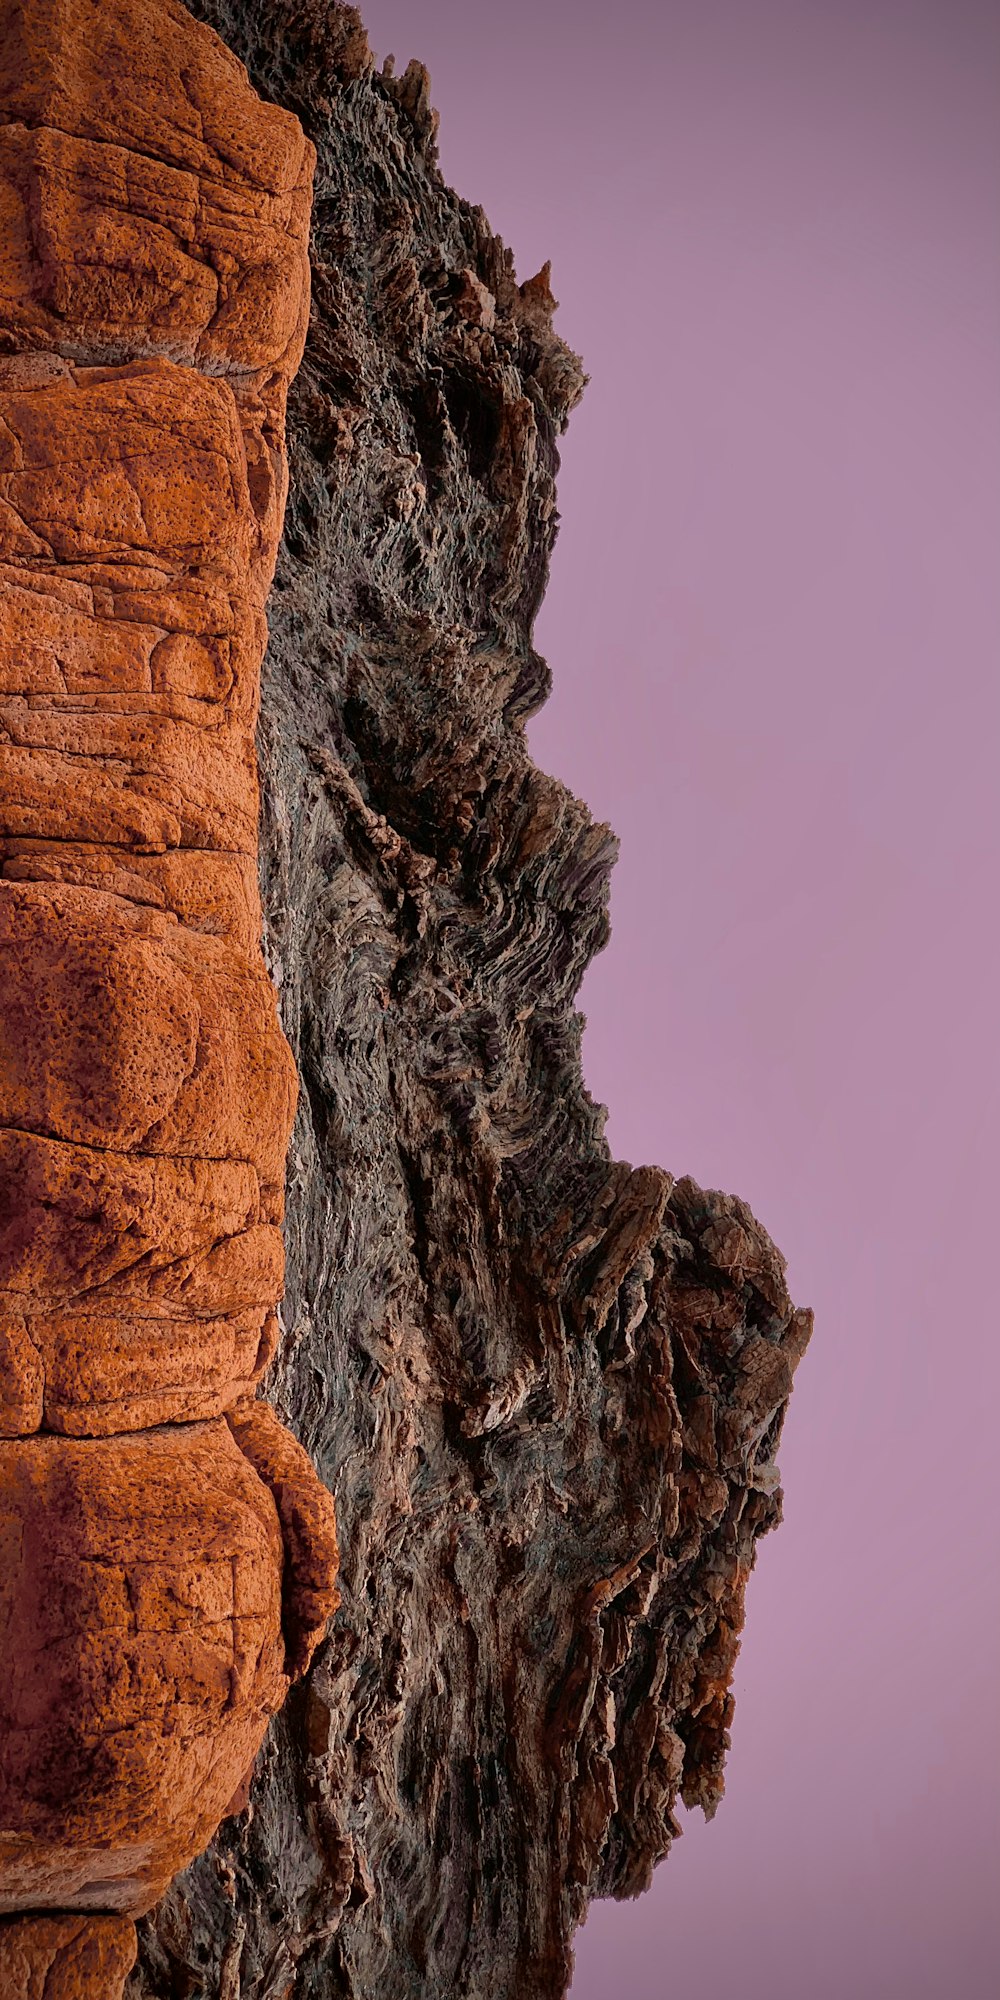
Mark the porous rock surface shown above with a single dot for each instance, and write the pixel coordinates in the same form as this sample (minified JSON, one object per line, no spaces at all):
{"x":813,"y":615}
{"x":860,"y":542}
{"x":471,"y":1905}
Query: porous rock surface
{"x":140,"y":1608}
{"x":168,"y":1554}
{"x":546,"y":1386}
{"x":65,"y":1958}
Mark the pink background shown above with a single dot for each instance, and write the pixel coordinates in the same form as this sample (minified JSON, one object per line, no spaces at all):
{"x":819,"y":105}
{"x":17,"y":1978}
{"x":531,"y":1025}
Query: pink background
{"x":773,"y":622}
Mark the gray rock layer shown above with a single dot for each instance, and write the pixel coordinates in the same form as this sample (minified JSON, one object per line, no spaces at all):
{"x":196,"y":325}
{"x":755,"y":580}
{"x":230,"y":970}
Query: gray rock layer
{"x":546,"y":1387}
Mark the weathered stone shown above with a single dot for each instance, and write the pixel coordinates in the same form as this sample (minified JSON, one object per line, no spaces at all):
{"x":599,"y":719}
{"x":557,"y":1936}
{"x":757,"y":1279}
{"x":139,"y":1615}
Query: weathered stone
{"x":65,"y":1958}
{"x":156,"y":1594}
{"x":92,"y":1230}
{"x":125,"y":1031}
{"x":90,"y":1375}
{"x":308,"y":1526}
{"x":140,"y":1657}
{"x":213,"y":893}
{"x":548,"y":1386}
{"x":150,"y":200}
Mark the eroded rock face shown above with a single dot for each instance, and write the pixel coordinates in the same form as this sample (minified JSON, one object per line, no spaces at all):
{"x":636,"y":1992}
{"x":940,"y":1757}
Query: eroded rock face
{"x":549,"y":1386}
{"x":140,"y":1606}
{"x":160,"y":1586}
{"x":65,"y":1958}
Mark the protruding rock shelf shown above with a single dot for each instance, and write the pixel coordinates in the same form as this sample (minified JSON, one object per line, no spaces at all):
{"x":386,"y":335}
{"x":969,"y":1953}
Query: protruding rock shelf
{"x":168,"y":1553}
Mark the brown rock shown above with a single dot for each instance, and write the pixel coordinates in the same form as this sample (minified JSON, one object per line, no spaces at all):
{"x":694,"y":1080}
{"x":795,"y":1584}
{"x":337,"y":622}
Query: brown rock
{"x":65,"y":1958}
{"x":550,"y":1386}
{"x":308,"y":1527}
{"x":90,"y":1375}
{"x":97,"y":1231}
{"x":163,"y":640}
{"x":125,"y":1031}
{"x":154,"y":1597}
{"x":171,"y":218}
{"x":140,"y":1657}
{"x":149,"y":464}
{"x":213,"y":893}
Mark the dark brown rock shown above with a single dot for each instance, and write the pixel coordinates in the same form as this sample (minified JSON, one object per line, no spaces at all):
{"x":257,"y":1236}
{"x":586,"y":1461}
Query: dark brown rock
{"x":140,"y":1657}
{"x":546,"y":1387}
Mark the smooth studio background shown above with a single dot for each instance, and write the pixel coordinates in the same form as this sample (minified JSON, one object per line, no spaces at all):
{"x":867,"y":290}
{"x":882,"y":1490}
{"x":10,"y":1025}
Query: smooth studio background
{"x":774,"y":626}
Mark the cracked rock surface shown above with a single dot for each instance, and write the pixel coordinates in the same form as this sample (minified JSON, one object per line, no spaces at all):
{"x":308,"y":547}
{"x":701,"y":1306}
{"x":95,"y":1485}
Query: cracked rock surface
{"x":167,"y":1554}
{"x":547,"y":1387}
{"x":66,"y":1958}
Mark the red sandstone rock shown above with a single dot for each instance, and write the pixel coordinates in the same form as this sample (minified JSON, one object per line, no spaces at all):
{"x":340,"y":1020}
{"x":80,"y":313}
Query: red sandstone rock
{"x":125,"y":1031}
{"x":138,"y":208}
{"x":95,"y":1231}
{"x":92,"y":1375}
{"x":308,"y":1526}
{"x":213,"y":893}
{"x":140,"y":1657}
{"x":65,"y":1958}
{"x":158,"y":1586}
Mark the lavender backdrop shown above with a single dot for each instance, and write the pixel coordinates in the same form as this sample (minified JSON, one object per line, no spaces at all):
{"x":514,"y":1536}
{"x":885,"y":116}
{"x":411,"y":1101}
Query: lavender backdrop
{"x":773,"y":622}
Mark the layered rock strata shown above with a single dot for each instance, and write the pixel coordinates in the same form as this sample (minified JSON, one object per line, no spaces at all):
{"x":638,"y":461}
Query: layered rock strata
{"x":168,"y":1554}
{"x":549,"y":1385}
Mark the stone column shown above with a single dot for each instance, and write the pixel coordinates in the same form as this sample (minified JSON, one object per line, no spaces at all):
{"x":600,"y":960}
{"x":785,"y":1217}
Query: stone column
{"x":168,"y":1556}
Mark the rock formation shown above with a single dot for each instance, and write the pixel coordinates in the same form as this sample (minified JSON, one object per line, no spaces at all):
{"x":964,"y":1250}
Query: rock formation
{"x":168,"y":1553}
{"x":66,"y":1958}
{"x":547,"y":1387}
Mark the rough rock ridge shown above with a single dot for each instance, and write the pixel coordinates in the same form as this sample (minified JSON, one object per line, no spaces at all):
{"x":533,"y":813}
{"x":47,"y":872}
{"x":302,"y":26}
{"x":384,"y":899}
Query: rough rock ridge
{"x":546,"y":1386}
{"x":168,"y":1552}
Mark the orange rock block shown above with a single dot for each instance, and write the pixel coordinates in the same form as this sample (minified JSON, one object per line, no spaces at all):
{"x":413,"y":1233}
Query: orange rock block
{"x":130,"y":642}
{"x":141,"y":1657}
{"x":308,"y":1526}
{"x":216,"y":894}
{"x":92,"y":1231}
{"x":166,"y":216}
{"x":91,"y":1375}
{"x":65,"y":1958}
{"x":167,"y":1554}
{"x":125,"y":1031}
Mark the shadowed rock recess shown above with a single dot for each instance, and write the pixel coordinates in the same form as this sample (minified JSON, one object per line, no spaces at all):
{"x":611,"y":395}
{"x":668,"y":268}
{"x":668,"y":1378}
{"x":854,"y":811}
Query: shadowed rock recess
{"x":545,"y":1387}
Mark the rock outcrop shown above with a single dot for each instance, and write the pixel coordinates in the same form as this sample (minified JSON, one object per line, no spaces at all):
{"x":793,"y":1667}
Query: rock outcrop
{"x":547,"y":1387}
{"x":168,"y":1553}
{"x":66,"y":1958}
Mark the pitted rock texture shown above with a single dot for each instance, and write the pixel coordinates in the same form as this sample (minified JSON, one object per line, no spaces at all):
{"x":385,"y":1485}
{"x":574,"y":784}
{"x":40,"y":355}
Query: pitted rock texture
{"x":547,"y":1387}
{"x":169,"y":1554}
{"x":146,"y":1090}
{"x":65,"y":1958}
{"x":141,"y":1618}
{"x":149,"y":199}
